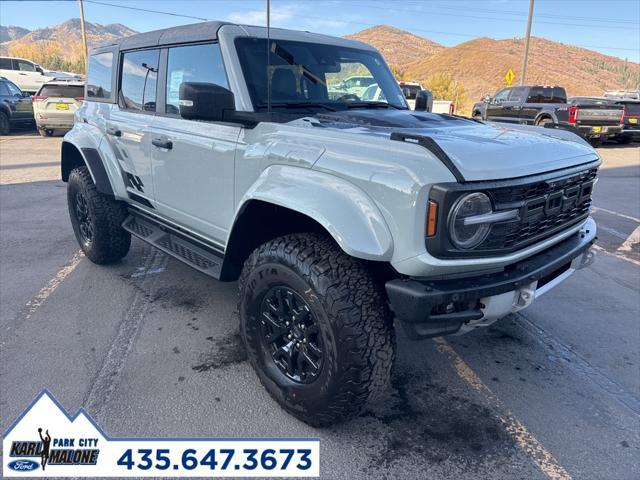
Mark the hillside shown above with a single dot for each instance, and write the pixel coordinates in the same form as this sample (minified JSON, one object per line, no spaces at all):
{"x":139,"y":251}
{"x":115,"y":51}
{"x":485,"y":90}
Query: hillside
{"x":11,"y":33}
{"x":398,"y":47}
{"x":481,"y":64}
{"x":60,"y":47}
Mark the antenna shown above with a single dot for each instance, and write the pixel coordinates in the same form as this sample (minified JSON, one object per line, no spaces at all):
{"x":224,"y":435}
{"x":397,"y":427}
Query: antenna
{"x":269,"y":56}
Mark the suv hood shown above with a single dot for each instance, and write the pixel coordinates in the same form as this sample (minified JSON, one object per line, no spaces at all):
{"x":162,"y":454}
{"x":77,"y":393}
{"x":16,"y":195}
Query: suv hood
{"x":480,"y":151}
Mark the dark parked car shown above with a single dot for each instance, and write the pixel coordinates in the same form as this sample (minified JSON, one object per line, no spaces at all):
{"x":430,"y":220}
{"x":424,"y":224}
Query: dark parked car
{"x":15,"y":106}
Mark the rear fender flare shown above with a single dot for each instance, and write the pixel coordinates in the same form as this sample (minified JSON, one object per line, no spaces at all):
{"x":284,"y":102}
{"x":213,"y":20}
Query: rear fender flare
{"x":86,"y":141}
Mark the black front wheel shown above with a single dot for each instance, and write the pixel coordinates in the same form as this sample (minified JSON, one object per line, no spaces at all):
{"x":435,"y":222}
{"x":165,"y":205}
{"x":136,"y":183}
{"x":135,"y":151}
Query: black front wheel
{"x":317,"y":328}
{"x":96,"y":219}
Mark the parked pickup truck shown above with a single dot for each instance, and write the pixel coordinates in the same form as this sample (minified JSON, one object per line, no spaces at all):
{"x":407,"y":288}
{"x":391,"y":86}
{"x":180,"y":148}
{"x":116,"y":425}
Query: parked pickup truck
{"x":630,"y":121}
{"x":596,"y":118}
{"x":548,"y":106}
{"x":342,"y":219}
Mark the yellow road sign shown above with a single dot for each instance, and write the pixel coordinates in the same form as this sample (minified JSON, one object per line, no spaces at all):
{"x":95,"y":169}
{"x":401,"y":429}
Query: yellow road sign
{"x":509,"y":77}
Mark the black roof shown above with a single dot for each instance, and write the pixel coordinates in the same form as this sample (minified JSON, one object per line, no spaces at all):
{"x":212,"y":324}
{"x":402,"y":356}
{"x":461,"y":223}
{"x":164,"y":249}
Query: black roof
{"x":195,"y":32}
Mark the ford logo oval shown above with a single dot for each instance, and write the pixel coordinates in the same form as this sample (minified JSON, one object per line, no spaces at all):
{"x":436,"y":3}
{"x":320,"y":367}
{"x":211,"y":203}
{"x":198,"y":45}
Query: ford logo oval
{"x":23,"y":465}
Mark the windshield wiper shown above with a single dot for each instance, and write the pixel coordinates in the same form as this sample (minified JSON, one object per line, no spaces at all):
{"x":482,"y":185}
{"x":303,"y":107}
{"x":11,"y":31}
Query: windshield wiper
{"x":371,"y":105}
{"x":300,"y":105}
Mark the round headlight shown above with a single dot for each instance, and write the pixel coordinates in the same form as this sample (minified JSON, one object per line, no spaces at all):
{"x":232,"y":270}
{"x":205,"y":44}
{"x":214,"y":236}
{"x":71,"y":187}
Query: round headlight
{"x":469,"y":235}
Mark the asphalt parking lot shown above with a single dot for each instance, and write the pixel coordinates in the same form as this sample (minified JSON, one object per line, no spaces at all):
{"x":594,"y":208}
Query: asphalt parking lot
{"x":151,"y":348}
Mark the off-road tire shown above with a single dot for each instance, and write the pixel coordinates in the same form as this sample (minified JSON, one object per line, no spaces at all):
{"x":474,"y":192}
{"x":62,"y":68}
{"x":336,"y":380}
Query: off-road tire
{"x":109,"y":241}
{"x":596,"y":142}
{"x":353,"y":317}
{"x":544,"y":121}
{"x":477,"y":116}
{"x":5,"y":126}
{"x":45,"y":132}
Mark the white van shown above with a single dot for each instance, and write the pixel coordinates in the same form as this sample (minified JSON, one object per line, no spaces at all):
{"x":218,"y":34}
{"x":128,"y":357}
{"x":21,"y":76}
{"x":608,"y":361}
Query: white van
{"x":28,"y":75}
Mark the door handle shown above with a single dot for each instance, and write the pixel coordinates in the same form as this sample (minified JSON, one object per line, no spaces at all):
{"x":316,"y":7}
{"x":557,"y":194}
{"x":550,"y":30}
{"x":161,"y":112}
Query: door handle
{"x":162,"y":143}
{"x":114,"y":131}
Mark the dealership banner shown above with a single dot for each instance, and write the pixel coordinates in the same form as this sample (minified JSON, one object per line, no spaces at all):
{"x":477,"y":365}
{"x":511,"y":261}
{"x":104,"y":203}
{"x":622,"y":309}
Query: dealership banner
{"x":45,"y":441}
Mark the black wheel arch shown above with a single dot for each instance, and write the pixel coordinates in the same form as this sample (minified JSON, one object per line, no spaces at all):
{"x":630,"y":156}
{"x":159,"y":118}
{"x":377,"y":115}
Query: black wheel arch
{"x":545,"y":116}
{"x":259,"y":222}
{"x":72,"y":157}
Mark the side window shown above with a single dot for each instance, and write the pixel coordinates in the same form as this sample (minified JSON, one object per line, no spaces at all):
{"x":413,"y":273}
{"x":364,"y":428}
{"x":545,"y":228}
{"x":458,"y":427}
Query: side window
{"x":139,"y":79}
{"x":502,"y":95}
{"x":99,"y":78}
{"x":559,"y":95}
{"x":13,"y":90}
{"x":517,"y":94}
{"x":192,"y":63}
{"x":24,"y":66}
{"x":535,"y":95}
{"x":5,"y":63}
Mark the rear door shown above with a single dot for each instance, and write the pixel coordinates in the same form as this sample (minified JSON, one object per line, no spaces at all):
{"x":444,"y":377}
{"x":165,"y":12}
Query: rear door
{"x":26,"y":76}
{"x":129,"y":126}
{"x":193,"y":161}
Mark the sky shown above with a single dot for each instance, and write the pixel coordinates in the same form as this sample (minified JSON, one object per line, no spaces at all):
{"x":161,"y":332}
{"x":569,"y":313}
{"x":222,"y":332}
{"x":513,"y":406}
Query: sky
{"x":608,"y":26}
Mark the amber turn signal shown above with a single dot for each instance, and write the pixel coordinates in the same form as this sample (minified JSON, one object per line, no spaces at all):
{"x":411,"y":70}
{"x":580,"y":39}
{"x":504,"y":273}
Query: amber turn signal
{"x":432,"y":218}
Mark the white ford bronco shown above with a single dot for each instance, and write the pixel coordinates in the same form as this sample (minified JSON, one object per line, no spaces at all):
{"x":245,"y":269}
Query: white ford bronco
{"x":341,"y":218}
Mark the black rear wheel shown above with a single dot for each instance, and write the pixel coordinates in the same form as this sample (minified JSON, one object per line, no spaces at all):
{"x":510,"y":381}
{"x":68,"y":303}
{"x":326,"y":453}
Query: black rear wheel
{"x":317,"y":328}
{"x":96,"y":219}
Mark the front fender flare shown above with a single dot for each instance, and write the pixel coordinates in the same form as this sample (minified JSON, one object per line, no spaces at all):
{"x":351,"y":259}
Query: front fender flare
{"x":345,"y":211}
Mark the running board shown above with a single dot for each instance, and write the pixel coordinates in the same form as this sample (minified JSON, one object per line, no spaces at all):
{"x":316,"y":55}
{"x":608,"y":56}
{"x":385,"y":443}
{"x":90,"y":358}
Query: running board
{"x":175,"y":243}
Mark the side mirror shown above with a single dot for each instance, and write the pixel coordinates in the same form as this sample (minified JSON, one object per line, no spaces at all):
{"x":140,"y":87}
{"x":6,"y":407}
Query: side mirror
{"x":424,"y":101}
{"x":39,"y":70}
{"x":205,"y":101}
{"x":26,"y":94}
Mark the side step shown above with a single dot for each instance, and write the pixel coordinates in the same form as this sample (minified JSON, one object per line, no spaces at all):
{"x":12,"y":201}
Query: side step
{"x":176,"y":244}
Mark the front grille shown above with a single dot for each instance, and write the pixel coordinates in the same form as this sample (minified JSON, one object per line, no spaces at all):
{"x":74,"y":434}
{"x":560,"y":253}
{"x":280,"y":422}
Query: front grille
{"x":545,"y":207}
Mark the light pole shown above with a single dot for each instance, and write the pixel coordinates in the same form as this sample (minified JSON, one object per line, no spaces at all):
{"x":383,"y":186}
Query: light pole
{"x":84,"y":37}
{"x":526,"y":44}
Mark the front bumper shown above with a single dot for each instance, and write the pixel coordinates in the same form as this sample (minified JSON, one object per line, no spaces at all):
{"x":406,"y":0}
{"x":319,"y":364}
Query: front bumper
{"x":430,"y":308}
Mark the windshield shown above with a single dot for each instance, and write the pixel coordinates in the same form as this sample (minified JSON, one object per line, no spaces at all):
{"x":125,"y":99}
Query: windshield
{"x":316,"y":76}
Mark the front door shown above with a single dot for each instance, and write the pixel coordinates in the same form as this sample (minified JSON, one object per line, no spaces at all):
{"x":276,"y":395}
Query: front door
{"x":495,"y":108}
{"x":129,"y":126}
{"x":21,"y":105}
{"x":193,"y":161}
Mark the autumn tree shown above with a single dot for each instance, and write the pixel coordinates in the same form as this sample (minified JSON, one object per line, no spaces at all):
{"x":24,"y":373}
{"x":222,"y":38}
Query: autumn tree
{"x":444,"y":87}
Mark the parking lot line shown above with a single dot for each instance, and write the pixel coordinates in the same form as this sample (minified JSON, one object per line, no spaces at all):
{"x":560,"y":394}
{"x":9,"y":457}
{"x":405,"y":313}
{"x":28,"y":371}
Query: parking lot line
{"x":631,"y":240}
{"x":621,"y":215}
{"x":525,"y":439}
{"x":617,"y":254}
{"x":35,"y":303}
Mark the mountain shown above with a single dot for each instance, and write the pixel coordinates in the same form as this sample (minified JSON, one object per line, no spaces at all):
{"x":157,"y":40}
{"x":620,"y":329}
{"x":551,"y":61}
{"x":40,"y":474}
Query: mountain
{"x":60,"y":47}
{"x":11,"y":33}
{"x":481,"y":64}
{"x":71,"y":31}
{"x":398,"y":47}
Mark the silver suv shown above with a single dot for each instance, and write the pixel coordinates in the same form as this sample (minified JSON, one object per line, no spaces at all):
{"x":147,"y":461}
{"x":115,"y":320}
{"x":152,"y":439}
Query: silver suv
{"x":340,"y":218}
